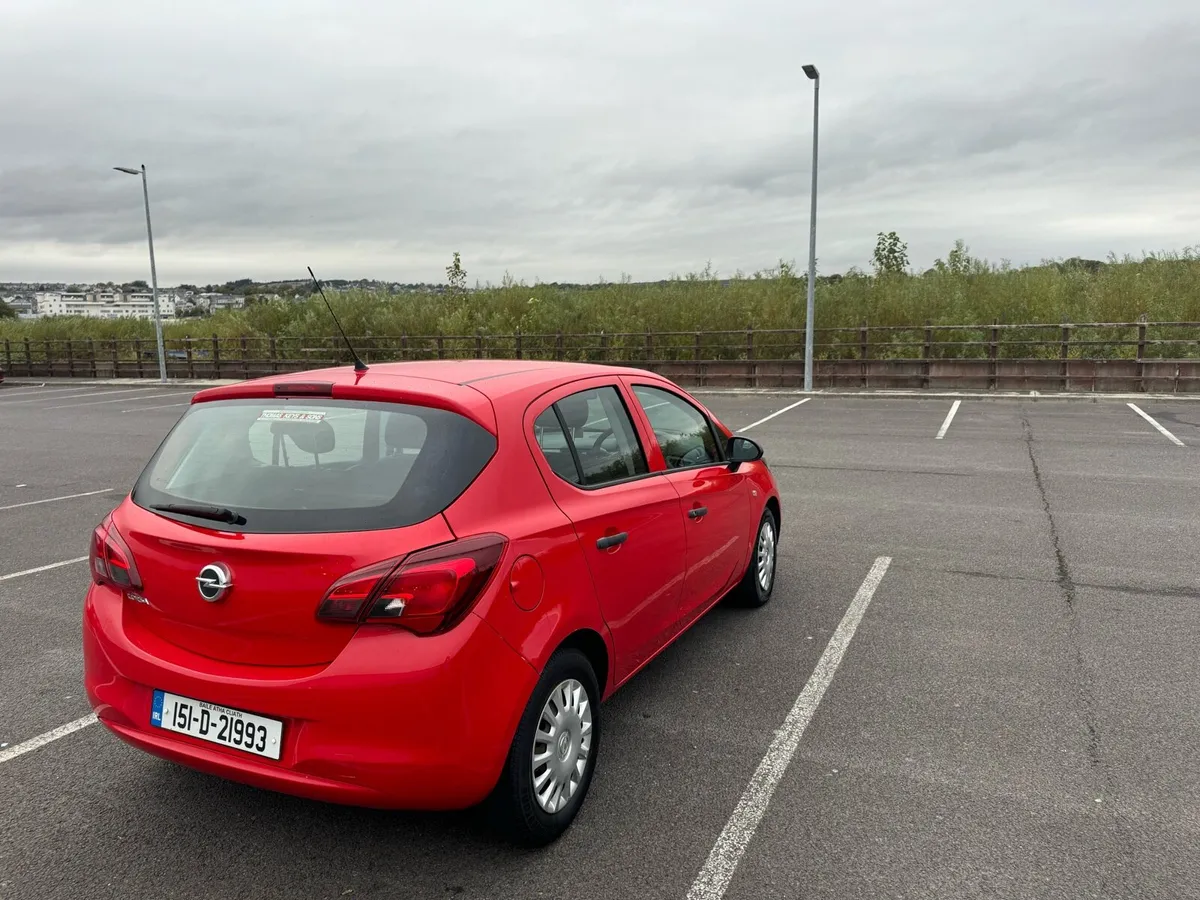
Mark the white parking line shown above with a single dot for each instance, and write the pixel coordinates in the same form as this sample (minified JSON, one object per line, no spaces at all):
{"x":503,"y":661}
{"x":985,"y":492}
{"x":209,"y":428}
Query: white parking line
{"x":118,"y":400}
{"x":164,"y":406}
{"x":773,"y":415}
{"x":55,"y":499}
{"x":714,"y":877}
{"x":949,"y":418}
{"x":57,"y":565}
{"x":1168,"y":434}
{"x":72,"y":396}
{"x":43,"y":739}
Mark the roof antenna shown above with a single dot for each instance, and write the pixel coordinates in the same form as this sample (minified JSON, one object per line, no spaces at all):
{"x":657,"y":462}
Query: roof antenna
{"x":359,"y":365}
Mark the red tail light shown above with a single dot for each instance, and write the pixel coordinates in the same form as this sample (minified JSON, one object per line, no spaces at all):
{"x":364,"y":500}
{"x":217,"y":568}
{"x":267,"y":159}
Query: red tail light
{"x":110,"y":558}
{"x":425,"y":592}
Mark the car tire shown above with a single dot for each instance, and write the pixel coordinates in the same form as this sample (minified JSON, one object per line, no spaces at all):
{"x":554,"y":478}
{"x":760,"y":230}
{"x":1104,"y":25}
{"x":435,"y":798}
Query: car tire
{"x":522,"y":808}
{"x":755,"y":588}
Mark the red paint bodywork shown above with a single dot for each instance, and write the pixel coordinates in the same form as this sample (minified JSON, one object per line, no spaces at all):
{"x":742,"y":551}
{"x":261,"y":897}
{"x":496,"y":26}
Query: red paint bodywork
{"x":373,"y":714}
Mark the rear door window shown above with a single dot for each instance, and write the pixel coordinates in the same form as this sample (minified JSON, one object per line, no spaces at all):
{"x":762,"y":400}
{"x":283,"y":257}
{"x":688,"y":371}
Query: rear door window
{"x":588,"y":438}
{"x":315,"y":466}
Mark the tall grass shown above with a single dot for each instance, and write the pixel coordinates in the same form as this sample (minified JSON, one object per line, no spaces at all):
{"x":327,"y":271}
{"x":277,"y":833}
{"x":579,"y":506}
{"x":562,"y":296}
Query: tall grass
{"x":1160,"y":287}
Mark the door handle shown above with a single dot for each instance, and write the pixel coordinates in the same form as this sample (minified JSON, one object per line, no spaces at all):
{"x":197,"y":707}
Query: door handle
{"x":698,"y":513}
{"x":612,"y":540}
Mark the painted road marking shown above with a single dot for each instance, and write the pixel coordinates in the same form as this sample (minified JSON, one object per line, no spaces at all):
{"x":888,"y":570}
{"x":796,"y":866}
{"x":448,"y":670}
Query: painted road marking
{"x":1170,"y":437}
{"x":71,"y":396}
{"x":118,"y":400}
{"x":714,"y":878}
{"x":43,"y":739}
{"x":774,"y":414}
{"x":164,"y":406}
{"x":949,"y":418}
{"x":55,"y":499}
{"x":65,"y":562}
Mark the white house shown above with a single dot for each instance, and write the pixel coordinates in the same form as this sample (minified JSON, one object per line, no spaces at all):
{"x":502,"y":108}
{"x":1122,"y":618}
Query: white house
{"x":106,"y":304}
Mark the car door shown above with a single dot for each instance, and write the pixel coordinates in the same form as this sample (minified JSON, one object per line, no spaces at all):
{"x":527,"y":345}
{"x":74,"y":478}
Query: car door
{"x":715,"y":502}
{"x":627,"y":519}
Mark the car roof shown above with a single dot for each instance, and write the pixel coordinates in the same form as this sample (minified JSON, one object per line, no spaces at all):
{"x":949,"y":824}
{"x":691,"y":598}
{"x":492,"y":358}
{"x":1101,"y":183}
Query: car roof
{"x":495,"y":378}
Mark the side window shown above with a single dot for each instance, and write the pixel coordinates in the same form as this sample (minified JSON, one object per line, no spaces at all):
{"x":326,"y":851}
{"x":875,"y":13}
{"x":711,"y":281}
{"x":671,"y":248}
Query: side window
{"x":553,"y":442}
{"x":599,"y":445}
{"x":682,"y":431}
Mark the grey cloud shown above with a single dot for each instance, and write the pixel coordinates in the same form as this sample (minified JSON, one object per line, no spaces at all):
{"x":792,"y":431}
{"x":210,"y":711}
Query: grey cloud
{"x":570,"y":142}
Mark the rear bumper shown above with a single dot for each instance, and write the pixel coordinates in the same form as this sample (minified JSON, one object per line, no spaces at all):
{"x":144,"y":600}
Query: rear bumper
{"x":396,"y":721}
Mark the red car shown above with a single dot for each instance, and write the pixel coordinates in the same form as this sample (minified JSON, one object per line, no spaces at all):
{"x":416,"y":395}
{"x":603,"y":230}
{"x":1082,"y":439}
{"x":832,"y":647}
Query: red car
{"x":412,"y":587}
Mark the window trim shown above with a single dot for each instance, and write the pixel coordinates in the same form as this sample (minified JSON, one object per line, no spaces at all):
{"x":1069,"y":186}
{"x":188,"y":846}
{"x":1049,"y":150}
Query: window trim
{"x":580,"y":486}
{"x":723,"y":456}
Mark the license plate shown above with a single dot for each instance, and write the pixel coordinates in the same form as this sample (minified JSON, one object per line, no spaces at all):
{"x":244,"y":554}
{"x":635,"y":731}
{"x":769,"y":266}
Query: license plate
{"x":217,"y":724}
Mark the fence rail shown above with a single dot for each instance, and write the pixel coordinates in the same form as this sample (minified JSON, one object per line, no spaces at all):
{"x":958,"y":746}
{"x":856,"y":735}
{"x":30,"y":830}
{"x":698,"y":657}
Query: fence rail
{"x":1098,"y":356}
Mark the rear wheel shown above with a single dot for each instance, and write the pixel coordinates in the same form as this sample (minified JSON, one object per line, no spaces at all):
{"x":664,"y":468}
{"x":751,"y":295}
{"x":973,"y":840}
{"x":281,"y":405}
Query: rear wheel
{"x":553,"y":753}
{"x":758,"y":583}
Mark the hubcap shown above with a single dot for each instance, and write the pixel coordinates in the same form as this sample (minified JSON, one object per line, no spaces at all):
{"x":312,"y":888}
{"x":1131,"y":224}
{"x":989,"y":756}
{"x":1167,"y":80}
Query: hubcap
{"x":562,"y":745}
{"x":766,"y":556}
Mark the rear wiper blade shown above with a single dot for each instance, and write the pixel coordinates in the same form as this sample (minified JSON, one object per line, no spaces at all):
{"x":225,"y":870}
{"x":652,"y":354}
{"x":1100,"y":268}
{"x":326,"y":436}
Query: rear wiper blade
{"x":216,"y":513}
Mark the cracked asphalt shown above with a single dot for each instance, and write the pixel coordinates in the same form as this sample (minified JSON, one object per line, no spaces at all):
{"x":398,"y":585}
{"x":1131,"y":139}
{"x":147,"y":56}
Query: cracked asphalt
{"x":1017,"y":715}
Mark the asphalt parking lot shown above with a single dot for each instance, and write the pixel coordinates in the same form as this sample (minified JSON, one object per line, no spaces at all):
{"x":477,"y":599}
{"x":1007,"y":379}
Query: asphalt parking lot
{"x":1016,"y":713}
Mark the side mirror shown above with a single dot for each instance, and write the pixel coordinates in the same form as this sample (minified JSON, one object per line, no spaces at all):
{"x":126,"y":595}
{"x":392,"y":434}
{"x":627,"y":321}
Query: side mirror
{"x":743,"y":450}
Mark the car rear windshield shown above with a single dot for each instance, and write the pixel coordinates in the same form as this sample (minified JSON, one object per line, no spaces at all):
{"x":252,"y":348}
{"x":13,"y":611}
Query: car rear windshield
{"x":290,"y":466}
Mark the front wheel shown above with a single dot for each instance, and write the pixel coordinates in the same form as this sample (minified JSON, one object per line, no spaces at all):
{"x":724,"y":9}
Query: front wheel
{"x":553,"y":753}
{"x":758,"y":583}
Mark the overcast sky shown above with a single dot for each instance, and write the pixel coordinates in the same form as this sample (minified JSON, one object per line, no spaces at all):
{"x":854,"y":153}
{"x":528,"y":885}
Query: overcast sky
{"x":570,"y":141}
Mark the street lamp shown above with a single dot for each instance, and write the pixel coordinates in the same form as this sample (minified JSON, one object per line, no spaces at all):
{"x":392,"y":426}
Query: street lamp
{"x":814,"y":76}
{"x":162,"y":356}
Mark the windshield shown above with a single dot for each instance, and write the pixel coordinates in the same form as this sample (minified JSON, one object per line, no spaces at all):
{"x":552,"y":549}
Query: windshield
{"x":285,"y":465}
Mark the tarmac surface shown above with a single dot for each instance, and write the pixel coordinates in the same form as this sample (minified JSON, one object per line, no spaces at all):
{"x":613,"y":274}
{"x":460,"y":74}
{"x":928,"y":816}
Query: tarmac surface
{"x":1017,"y":714}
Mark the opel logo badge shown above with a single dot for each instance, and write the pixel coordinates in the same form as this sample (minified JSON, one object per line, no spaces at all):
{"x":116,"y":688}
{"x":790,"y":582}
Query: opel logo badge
{"x":214,"y":581}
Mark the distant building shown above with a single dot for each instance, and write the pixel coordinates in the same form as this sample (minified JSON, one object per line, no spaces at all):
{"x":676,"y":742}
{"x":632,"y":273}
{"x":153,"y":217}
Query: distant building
{"x":222,"y":301}
{"x":105,"y":304}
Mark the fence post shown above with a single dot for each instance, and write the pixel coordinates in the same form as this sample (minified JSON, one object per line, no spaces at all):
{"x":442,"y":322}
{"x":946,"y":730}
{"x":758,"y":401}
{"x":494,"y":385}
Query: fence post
{"x":403,"y":345}
{"x":216,"y":356}
{"x":137,"y":348}
{"x":558,"y":345}
{"x":71,"y":358}
{"x":1141,"y":356}
{"x":8,"y":366}
{"x":701,"y":370}
{"x":441,"y":347}
{"x":649,"y":349}
{"x":187,"y":347}
{"x":46,"y":357}
{"x":245,"y":358}
{"x":993,"y":351}
{"x":603,"y":347}
{"x":28,"y":358}
{"x":116,"y":359}
{"x":927,"y":353}
{"x":92,"y":354}
{"x":274,"y":355}
{"x":517,"y":343}
{"x":1063,"y":352}
{"x":478,"y":344}
{"x":864,"y":351}
{"x":751,"y":367}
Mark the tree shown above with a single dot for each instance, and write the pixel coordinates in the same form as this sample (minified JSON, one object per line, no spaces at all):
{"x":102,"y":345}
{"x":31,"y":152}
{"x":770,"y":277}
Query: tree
{"x":891,"y":254}
{"x":456,"y":275}
{"x":6,"y":311}
{"x":957,"y":262}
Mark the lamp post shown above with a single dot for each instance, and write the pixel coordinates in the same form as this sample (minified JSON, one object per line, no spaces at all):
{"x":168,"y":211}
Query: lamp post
{"x":162,"y":356}
{"x":814,"y":76}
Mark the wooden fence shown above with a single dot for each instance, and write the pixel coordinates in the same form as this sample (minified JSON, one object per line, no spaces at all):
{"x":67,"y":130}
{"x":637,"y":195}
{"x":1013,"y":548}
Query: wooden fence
{"x":1121,"y":356}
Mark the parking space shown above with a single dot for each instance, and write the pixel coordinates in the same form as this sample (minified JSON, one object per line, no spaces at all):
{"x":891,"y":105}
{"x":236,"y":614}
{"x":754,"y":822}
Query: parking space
{"x":1016,"y":714}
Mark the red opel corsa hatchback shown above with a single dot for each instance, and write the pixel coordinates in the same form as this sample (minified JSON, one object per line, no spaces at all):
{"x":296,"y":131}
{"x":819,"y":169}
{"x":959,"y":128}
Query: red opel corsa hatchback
{"x":413,"y":587}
